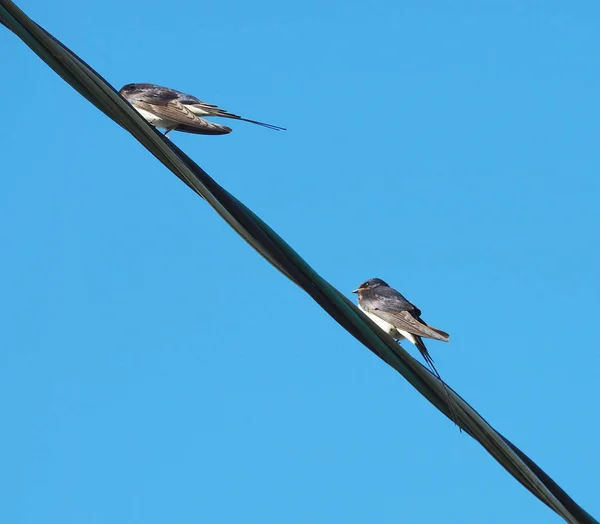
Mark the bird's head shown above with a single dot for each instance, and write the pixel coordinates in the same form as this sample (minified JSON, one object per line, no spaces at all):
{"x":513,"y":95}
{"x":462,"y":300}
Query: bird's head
{"x":126,"y":89}
{"x":370,"y":284}
{"x":134,"y":89}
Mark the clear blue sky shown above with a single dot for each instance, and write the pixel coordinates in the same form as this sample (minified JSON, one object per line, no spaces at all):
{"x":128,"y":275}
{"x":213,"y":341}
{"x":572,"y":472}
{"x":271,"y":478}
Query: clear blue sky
{"x":155,"y":369}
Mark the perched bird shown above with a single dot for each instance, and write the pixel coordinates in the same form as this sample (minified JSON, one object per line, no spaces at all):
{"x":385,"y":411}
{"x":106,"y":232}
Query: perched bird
{"x":396,"y":315}
{"x":399,"y":318}
{"x":173,"y":110}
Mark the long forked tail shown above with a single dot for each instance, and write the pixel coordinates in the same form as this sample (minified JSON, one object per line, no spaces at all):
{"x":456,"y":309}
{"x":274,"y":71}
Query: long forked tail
{"x":427,"y":357}
{"x":217,"y":111}
{"x":268,"y":126}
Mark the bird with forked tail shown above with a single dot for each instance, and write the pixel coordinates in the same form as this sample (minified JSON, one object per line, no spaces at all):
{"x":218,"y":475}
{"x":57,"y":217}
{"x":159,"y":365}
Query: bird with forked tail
{"x":401,"y":319}
{"x":173,"y":110}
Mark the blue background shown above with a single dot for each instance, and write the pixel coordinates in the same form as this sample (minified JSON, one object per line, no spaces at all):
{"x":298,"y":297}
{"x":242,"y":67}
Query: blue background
{"x":154,"y":369}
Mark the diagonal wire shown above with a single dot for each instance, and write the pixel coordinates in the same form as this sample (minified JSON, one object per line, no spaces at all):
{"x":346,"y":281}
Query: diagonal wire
{"x":278,"y":253}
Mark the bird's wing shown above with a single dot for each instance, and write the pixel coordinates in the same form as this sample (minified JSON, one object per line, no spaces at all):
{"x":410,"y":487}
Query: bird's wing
{"x":203,"y":108}
{"x":393,"y":307}
{"x":176,"y":112}
{"x":150,"y":93}
{"x":204,"y":127}
{"x":404,"y":320}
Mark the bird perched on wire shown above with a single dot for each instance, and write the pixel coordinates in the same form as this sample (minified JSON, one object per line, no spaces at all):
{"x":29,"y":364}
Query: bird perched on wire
{"x":173,"y":110}
{"x":399,"y":318}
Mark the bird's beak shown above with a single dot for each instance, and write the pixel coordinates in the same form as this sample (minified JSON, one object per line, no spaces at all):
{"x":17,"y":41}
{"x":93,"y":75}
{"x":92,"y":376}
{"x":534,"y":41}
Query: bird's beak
{"x":356,"y":291}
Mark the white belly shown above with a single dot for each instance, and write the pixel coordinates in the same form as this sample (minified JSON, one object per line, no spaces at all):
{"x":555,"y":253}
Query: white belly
{"x":386,"y":326}
{"x":398,"y":334}
{"x":156,"y":121}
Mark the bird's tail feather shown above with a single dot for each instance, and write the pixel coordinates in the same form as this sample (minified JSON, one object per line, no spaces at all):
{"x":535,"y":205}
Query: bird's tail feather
{"x":440,"y":332}
{"x":427,"y":357}
{"x":225,"y":114}
{"x":213,"y":129}
{"x":268,"y":126}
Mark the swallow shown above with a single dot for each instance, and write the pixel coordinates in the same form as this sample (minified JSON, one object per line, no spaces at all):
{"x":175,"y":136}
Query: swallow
{"x":401,"y":319}
{"x":173,"y":110}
